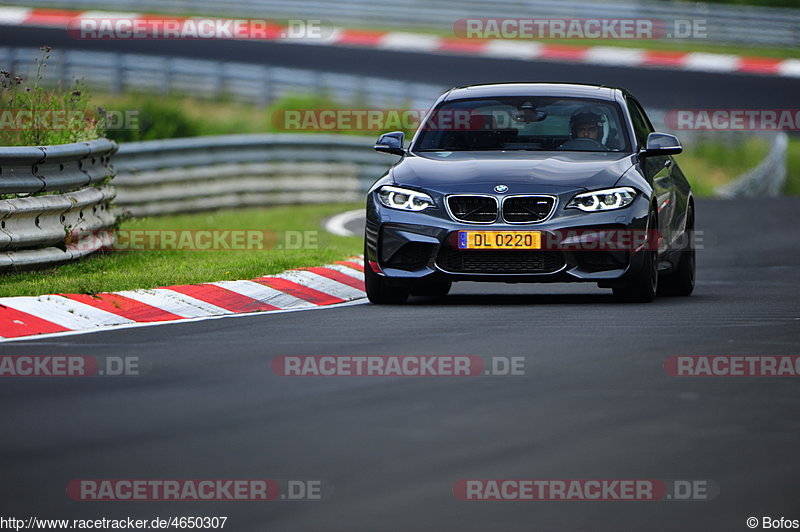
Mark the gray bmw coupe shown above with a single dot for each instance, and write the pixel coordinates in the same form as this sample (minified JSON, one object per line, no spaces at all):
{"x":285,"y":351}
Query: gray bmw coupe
{"x":531,"y":182}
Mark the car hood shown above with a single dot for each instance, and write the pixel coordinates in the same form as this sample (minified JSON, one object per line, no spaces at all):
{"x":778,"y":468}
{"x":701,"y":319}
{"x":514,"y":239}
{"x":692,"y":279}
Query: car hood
{"x":520,"y":171}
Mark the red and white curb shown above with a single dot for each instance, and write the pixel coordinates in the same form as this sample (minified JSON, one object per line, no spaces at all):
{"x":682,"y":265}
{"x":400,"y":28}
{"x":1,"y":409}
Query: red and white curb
{"x":503,"y":49}
{"x":300,"y":289}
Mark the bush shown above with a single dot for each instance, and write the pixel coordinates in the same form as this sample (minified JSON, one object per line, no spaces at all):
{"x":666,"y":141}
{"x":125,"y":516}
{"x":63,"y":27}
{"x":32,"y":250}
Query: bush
{"x":162,"y":117}
{"x":158,"y":118}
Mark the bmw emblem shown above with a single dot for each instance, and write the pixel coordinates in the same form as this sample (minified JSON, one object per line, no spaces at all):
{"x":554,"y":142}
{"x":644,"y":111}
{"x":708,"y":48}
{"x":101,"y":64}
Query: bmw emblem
{"x":501,"y":188}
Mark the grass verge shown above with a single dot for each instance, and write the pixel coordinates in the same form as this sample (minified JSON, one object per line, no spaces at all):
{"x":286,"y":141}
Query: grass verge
{"x":125,"y":270}
{"x":709,"y":164}
{"x":177,"y":115}
{"x":793,"y":166}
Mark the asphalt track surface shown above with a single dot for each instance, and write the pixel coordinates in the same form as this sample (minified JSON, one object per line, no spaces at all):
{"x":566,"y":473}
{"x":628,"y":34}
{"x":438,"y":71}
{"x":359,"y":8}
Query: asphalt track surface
{"x":595,"y":402}
{"x":655,"y":88}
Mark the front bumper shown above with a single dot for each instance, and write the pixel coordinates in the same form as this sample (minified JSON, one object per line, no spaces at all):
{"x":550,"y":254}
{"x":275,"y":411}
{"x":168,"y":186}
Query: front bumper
{"x":409,"y":246}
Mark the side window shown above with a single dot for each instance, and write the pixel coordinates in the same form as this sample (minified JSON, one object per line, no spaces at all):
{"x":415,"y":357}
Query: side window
{"x":641,"y":126}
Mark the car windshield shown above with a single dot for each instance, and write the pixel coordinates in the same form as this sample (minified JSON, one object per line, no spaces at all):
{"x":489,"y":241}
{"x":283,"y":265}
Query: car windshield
{"x":532,"y":123}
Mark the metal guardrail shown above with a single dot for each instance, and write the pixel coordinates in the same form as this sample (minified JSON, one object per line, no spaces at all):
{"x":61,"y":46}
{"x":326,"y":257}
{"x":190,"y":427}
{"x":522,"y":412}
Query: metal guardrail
{"x":54,"y":168}
{"x":163,"y":177}
{"x":185,"y":175}
{"x":36,"y":230}
{"x":766,"y":179}
{"x":258,"y":84}
{"x":724,"y":23}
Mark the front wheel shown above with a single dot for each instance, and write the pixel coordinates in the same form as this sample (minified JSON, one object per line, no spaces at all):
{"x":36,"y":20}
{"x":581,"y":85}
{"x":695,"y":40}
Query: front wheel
{"x":642,"y":287}
{"x":378,"y":290}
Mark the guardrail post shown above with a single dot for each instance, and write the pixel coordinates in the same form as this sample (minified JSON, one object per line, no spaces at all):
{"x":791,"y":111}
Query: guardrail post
{"x":219,"y":79}
{"x":117,"y":74}
{"x":265,"y":95}
{"x":166,"y":79}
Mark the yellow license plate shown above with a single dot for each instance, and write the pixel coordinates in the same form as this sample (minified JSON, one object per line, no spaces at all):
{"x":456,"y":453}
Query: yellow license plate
{"x":499,"y":240}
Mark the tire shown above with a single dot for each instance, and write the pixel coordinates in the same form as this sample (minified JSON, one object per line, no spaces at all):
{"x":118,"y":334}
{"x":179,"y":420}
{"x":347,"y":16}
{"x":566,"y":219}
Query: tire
{"x":643,"y":286}
{"x":438,"y":288}
{"x":378,"y":290}
{"x":680,"y":282}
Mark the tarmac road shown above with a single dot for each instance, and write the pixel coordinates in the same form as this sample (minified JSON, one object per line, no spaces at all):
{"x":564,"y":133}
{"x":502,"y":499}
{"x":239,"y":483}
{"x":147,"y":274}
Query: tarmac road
{"x":595,"y":402}
{"x":655,"y":88}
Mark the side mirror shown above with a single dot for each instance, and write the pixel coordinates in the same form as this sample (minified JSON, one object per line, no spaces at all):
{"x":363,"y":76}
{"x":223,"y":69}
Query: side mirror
{"x":662,"y":144}
{"x":391,"y":143}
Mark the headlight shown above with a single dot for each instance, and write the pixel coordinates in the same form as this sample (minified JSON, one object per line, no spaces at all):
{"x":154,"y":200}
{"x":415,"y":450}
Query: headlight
{"x":404,"y":199}
{"x":603,"y":200}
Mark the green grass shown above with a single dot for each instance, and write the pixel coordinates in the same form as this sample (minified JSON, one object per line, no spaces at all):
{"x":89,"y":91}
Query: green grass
{"x":112,"y":271}
{"x":178,"y":116}
{"x":709,"y":164}
{"x":793,"y":166}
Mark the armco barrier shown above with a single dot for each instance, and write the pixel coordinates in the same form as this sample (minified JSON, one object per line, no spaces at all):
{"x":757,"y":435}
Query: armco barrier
{"x":35,"y":229}
{"x":163,"y":177}
{"x":184,"y":175}
{"x":55,"y":168}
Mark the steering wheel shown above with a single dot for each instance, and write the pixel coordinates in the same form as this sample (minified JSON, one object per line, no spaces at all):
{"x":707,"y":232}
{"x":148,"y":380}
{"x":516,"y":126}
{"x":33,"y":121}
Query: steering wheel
{"x":583,"y":144}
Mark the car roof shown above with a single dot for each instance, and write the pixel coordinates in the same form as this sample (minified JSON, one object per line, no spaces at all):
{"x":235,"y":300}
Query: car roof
{"x":574,"y":90}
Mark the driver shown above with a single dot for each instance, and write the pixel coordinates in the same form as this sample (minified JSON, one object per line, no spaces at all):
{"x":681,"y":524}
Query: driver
{"x":586,"y":123}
